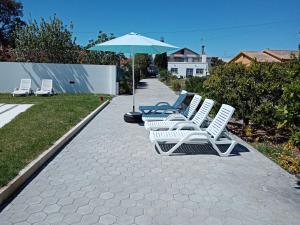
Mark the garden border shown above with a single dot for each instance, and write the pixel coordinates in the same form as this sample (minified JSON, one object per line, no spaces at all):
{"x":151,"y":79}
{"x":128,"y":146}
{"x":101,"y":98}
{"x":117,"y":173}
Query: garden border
{"x":13,"y":186}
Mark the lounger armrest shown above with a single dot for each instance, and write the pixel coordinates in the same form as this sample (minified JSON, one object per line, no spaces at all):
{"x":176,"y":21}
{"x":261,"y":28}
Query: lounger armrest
{"x":175,"y":117}
{"x":162,"y":103}
{"x":184,"y":124}
{"x":171,"y":110}
{"x":194,"y":133}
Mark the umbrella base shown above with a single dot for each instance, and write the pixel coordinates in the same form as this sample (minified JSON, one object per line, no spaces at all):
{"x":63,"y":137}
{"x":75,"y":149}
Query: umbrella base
{"x":133,"y":117}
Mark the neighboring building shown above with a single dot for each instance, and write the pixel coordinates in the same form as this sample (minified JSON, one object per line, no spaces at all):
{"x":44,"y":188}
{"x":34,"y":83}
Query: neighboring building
{"x":246,"y":57}
{"x":185,"y":62}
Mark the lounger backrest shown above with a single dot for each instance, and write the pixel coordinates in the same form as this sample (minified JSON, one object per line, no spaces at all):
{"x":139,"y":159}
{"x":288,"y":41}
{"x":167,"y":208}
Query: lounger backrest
{"x":25,"y":84}
{"x":203,"y":112}
{"x":46,"y":85}
{"x":220,"y":121}
{"x":191,"y":109}
{"x":180,"y":99}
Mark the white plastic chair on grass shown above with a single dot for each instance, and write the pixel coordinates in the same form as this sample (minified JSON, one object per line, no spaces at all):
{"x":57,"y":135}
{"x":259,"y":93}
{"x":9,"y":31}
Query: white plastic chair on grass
{"x":198,"y":119}
{"x":46,"y":88}
{"x":171,"y":115}
{"x":24,"y":89}
{"x":211,"y":135}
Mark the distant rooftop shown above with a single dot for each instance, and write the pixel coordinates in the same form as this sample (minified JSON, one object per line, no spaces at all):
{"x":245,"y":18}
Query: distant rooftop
{"x":268,"y":55}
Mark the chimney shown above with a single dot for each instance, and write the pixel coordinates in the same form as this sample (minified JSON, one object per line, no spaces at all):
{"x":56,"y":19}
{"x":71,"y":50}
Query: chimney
{"x":203,"y":55}
{"x":202,"y":50}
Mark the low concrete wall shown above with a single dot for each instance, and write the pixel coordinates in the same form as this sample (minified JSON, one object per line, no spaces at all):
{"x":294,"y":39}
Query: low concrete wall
{"x":71,"y":78}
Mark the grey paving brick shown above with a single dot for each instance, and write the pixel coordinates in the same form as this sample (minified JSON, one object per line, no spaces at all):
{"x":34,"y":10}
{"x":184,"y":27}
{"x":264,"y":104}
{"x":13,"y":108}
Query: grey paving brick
{"x":108,"y":219}
{"x":111,"y":174}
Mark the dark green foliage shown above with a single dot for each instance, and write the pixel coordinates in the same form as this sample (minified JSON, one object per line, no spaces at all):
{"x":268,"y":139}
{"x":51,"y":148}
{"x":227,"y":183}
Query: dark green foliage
{"x":195,"y":84}
{"x":11,"y":12}
{"x":96,"y":57}
{"x":266,"y":94}
{"x":165,"y":76}
{"x":216,"y":61}
{"x":142,"y":62}
{"x":47,"y":41}
{"x":161,"y":61}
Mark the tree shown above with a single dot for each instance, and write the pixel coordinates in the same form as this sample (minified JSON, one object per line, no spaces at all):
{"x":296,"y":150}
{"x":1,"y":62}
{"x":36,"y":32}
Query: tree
{"x":161,"y":61}
{"x":216,"y":61}
{"x":11,"y":12}
{"x":48,"y":41}
{"x":98,"y":57}
{"x":142,"y":62}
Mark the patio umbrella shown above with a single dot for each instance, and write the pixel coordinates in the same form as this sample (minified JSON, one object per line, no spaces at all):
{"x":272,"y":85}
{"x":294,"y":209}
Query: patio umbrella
{"x":133,"y":43}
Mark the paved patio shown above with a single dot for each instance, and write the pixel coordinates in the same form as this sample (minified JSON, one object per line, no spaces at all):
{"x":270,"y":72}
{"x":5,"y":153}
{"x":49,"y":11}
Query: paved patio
{"x":111,"y":174}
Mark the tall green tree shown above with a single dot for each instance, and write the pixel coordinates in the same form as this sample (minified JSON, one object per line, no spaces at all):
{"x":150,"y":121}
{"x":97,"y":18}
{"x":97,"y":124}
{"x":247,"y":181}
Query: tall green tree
{"x":47,"y":41}
{"x":142,"y":62}
{"x":216,"y":61}
{"x":11,"y":12}
{"x":95,"y":57}
{"x":161,"y":61}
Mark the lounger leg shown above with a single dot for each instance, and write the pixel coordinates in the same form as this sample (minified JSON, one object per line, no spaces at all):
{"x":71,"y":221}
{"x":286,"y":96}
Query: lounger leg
{"x":227,"y":152}
{"x":168,"y":152}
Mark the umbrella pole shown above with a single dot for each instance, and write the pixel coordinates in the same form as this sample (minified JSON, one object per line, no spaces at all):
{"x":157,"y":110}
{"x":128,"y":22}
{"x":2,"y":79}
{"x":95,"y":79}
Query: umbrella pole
{"x":133,"y":84}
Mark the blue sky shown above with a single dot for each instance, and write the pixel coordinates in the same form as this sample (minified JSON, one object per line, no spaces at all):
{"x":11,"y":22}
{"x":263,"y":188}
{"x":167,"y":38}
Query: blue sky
{"x":224,"y":27}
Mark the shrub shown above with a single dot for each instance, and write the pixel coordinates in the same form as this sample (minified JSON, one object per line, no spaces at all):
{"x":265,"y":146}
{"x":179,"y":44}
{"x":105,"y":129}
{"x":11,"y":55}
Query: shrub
{"x":195,"y":84}
{"x":176,"y":85}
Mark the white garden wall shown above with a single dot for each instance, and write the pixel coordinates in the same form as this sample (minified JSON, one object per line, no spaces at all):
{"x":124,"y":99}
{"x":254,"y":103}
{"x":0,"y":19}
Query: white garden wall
{"x":70,"y":78}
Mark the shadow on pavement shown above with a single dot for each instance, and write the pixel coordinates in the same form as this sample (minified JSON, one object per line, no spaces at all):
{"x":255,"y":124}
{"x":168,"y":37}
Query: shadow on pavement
{"x":202,"y":149}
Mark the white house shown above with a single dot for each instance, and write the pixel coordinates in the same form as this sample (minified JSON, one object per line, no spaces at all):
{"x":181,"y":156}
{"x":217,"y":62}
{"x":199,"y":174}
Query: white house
{"x":185,"y":62}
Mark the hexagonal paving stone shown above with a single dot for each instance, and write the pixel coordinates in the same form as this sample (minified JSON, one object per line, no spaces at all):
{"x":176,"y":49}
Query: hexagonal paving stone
{"x":37,"y":217}
{"x":125,"y":220}
{"x":65,"y":201}
{"x":107,"y":195}
{"x":128,"y":203}
{"x":90,"y":219}
{"x":107,"y":219}
{"x":87,"y":209}
{"x":72,"y":218}
{"x":101,"y":210}
{"x":151,"y":196}
{"x":135,"y":211}
{"x":137,"y":196}
{"x":54,"y":218}
{"x":51,"y":208}
{"x":143,"y":220}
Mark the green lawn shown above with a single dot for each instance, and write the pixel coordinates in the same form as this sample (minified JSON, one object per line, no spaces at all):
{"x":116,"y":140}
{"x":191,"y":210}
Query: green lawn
{"x":33,"y":131}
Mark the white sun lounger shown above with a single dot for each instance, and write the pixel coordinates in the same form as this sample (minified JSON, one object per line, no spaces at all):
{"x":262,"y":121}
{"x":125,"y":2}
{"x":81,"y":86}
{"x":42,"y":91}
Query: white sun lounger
{"x":187,"y":114}
{"x":24,"y":89}
{"x":211,"y":135}
{"x":46,"y":88}
{"x":198,"y":119}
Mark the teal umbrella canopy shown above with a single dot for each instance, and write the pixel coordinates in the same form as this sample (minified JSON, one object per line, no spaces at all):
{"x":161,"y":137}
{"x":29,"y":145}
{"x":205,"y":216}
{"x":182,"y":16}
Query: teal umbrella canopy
{"x":134,"y":43}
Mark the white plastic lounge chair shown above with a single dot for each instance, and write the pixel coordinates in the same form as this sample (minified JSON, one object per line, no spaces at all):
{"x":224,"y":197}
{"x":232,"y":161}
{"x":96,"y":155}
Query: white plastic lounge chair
{"x":24,"y":89}
{"x":198,"y":119}
{"x":187,"y":114}
{"x":46,"y":88}
{"x":211,"y":135}
{"x":162,"y":106}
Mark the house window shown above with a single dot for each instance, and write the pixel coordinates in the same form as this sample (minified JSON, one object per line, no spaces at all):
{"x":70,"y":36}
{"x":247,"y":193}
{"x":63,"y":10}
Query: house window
{"x":189,"y":72}
{"x":199,"y":71}
{"x":174,"y":70}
